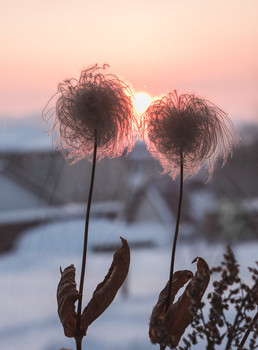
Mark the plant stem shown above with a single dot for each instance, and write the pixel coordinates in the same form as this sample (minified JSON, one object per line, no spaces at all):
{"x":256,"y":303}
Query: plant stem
{"x":78,"y":343}
{"x":206,"y":332}
{"x":248,"y":331}
{"x":231,"y":334}
{"x":84,"y":255}
{"x":176,"y":233}
{"x":173,"y":254}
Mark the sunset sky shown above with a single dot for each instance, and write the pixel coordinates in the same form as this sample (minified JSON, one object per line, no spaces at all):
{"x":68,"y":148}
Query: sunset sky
{"x":202,"y":46}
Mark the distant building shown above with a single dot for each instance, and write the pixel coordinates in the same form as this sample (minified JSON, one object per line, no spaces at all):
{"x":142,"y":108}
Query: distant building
{"x":40,"y":185}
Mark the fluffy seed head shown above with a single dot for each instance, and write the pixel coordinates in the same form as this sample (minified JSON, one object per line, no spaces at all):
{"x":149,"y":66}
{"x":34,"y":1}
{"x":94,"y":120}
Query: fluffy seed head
{"x":189,"y":128}
{"x":97,"y":107}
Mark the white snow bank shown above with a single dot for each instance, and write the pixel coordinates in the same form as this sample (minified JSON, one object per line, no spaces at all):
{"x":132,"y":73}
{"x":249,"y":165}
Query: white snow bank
{"x":29,"y":277}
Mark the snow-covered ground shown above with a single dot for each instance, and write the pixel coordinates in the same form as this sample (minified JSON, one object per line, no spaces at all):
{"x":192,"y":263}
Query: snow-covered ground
{"x":29,"y":277}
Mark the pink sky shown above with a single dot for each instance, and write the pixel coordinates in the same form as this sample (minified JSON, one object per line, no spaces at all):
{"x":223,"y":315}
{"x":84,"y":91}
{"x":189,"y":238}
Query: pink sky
{"x":206,"y":47}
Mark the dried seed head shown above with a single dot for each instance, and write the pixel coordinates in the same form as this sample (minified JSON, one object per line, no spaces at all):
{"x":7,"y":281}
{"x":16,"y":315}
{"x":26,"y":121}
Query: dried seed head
{"x":96,"y":107}
{"x":186,"y":126}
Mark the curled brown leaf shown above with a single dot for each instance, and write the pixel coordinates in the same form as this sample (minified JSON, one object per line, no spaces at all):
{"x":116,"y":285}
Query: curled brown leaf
{"x":103,"y":296}
{"x":156,"y":331}
{"x":108,"y":288}
{"x":67,"y":295}
{"x":166,"y":328}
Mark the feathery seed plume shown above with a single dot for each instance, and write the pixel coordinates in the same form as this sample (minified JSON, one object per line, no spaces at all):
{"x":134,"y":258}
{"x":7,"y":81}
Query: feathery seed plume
{"x":188,"y":128}
{"x":97,"y":106}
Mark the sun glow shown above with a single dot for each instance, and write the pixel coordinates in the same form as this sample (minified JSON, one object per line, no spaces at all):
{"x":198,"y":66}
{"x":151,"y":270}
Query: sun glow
{"x":142,"y":100}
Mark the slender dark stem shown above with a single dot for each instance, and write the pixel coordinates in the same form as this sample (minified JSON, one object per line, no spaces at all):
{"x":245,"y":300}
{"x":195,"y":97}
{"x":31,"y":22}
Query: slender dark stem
{"x":173,"y":254}
{"x":248,"y":331}
{"x":78,"y":343}
{"x":231,"y":334}
{"x":176,"y":233}
{"x":85,"y":244}
{"x":205,"y":327}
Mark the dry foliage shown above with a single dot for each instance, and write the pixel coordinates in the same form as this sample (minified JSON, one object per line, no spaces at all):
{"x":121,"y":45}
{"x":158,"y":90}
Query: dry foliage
{"x":106,"y":290}
{"x":166,"y":328}
{"x":103,"y":296}
{"x":216,"y":326}
{"x":67,"y":295}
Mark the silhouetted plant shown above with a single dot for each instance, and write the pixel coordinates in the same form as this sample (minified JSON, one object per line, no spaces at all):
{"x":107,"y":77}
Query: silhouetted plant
{"x":214,"y":324}
{"x":93,"y":118}
{"x":184,"y":132}
{"x":168,"y":326}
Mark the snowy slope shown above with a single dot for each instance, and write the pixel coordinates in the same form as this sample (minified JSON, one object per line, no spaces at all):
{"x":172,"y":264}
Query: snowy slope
{"x":29,"y":277}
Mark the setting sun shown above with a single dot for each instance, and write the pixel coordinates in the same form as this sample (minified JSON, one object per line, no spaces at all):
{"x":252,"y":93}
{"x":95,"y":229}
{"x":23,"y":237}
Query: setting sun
{"x":142,"y":100}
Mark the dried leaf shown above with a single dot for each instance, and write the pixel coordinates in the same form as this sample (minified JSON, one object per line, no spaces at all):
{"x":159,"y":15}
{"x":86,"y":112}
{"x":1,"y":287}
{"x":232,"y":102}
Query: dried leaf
{"x":179,"y":315}
{"x":179,"y":280}
{"x":103,"y":296}
{"x":67,"y":295}
{"x":167,"y":328}
{"x":108,"y":288}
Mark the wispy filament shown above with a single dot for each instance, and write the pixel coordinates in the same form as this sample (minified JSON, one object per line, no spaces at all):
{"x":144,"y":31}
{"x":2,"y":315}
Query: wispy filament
{"x":189,"y":125}
{"x":95,"y":104}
